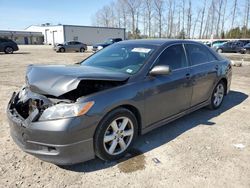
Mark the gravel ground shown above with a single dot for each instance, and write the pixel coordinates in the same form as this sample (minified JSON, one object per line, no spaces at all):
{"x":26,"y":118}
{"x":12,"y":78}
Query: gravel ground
{"x":204,"y":149}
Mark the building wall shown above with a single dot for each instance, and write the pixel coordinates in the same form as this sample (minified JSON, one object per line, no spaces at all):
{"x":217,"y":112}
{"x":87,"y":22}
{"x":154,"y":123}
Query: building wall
{"x":91,"y":35}
{"x":22,"y":37}
{"x":52,"y":34}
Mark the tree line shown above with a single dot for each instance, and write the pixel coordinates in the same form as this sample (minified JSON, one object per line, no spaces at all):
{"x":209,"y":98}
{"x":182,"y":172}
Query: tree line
{"x":177,"y":18}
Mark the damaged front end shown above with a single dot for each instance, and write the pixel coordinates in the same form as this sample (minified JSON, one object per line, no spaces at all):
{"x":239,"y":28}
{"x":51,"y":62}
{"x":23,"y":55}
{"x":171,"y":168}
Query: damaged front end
{"x":31,"y":107}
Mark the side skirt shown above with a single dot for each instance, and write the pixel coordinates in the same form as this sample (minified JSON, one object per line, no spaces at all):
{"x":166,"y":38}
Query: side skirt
{"x":174,"y":117}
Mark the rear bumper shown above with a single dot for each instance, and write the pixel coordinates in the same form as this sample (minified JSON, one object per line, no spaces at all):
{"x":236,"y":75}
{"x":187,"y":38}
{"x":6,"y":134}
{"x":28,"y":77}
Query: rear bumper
{"x":63,"y":142}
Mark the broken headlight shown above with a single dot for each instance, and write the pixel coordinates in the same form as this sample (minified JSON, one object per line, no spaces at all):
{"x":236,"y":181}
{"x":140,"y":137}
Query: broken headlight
{"x":64,"y":110}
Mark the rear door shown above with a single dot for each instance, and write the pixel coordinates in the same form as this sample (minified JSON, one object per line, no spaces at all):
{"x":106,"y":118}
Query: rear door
{"x":167,"y":95}
{"x":227,"y":47}
{"x":204,"y":67}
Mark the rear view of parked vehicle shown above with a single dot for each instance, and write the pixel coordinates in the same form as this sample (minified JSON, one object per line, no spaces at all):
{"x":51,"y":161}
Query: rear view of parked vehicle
{"x":71,"y":46}
{"x":8,"y":46}
{"x":245,"y":49}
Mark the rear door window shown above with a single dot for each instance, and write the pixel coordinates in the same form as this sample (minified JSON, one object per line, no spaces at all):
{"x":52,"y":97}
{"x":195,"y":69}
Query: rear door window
{"x":198,"y":54}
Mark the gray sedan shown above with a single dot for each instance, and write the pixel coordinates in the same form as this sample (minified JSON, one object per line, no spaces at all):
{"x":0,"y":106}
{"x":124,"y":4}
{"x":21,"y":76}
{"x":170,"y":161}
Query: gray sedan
{"x":71,"y":46}
{"x":71,"y":114}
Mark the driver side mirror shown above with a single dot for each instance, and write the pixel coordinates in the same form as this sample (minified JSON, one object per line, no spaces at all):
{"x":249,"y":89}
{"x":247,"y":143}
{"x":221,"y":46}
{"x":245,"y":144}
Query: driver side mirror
{"x":160,"y":70}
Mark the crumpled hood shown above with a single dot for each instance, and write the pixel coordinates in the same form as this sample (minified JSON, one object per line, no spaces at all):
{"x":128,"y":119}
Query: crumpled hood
{"x":57,"y":80}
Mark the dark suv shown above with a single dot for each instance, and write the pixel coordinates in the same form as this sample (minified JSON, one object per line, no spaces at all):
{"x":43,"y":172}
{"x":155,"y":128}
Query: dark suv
{"x":106,"y":43}
{"x":232,"y":46}
{"x":8,"y":46}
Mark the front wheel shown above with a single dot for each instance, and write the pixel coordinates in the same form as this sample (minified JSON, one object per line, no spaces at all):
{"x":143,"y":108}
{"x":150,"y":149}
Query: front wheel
{"x":115,"y":134}
{"x":9,"y":50}
{"x":217,"y":96}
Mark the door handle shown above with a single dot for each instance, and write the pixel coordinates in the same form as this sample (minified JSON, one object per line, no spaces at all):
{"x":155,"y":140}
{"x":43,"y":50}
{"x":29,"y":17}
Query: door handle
{"x":188,"y":76}
{"x":216,"y":67}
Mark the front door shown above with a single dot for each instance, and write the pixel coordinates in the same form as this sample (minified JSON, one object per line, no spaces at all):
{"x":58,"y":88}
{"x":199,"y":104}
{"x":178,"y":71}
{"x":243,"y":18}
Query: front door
{"x":167,"y":95}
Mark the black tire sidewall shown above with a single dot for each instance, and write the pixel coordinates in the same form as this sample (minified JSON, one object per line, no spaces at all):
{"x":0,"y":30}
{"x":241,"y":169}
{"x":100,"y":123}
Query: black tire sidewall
{"x":212,"y":105}
{"x":100,"y":131}
{"x":62,"y":50}
{"x":82,"y":50}
{"x":5,"y":50}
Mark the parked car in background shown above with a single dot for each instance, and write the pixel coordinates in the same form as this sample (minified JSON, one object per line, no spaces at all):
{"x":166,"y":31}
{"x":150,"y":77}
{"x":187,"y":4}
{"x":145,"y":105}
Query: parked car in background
{"x":71,"y":46}
{"x":232,"y":46}
{"x":218,"y":43}
{"x":106,"y":43}
{"x":245,"y":49}
{"x":8,"y":46}
{"x":70,"y":114}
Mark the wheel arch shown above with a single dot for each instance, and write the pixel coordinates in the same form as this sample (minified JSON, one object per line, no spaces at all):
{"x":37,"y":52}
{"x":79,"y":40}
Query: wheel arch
{"x":132,"y":109}
{"x":224,"y":80}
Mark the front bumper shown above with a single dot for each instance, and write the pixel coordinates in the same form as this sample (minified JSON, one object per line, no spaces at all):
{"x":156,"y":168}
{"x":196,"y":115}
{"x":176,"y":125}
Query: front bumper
{"x":62,"y":142}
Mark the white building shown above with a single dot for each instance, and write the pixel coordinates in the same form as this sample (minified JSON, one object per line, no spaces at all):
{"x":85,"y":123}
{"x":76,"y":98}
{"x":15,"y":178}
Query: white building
{"x":22,"y":37}
{"x":87,"y":34}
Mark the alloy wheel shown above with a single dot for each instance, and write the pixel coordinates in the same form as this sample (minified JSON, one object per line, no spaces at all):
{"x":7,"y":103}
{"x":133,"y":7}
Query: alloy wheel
{"x":218,"y":94}
{"x":9,"y":50}
{"x":118,"y":135}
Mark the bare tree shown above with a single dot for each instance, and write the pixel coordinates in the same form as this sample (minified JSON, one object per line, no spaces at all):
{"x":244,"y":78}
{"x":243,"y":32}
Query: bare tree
{"x":189,"y":18}
{"x":159,"y":8}
{"x":246,"y":20}
{"x":202,"y":17}
{"x":195,"y":23}
{"x":233,"y":13}
{"x":149,"y":14}
{"x":220,"y":3}
{"x":223,"y":16}
{"x":170,"y":18}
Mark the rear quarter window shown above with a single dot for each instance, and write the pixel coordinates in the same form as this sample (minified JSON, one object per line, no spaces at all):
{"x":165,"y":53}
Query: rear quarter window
{"x":199,"y":54}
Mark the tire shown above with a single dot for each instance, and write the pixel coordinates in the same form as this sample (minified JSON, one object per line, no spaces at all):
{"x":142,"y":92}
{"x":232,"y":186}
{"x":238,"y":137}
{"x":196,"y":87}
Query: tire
{"x":219,"y":50}
{"x":217,"y":96}
{"x":8,"y":50}
{"x":82,"y":50}
{"x":62,"y":50}
{"x":110,"y":140}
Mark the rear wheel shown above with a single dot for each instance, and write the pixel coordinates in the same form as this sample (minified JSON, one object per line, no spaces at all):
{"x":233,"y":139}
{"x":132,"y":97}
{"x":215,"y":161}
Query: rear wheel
{"x":62,"y":50}
{"x":115,"y":134}
{"x":217,"y":96}
{"x":9,"y":50}
{"x":82,"y":50}
{"x":219,"y":50}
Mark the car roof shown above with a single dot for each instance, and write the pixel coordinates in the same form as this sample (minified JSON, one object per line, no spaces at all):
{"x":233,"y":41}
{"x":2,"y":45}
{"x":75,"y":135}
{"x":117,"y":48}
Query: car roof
{"x":157,"y":42}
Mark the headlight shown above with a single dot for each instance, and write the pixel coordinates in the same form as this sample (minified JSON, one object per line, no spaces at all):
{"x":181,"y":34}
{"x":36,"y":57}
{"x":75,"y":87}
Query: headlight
{"x":99,"y":47}
{"x":60,"y":111}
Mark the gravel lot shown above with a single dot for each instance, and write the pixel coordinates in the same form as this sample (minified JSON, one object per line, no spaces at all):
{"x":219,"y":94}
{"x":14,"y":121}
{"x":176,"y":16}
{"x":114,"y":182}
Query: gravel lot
{"x":204,"y":149}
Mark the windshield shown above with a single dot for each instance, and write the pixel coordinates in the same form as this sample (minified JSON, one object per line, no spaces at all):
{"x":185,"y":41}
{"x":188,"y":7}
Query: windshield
{"x":247,"y":45}
{"x":108,"y":41}
{"x":126,"y":58}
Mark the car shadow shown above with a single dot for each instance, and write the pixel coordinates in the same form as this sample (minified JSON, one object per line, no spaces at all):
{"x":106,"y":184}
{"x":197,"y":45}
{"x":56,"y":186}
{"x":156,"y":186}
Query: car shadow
{"x":135,"y":159}
{"x":15,"y":53}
